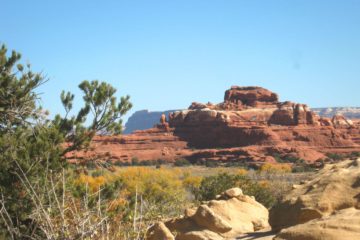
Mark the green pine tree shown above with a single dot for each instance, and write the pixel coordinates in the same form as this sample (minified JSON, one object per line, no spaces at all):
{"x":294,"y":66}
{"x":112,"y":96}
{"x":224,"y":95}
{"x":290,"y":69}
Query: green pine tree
{"x":32,"y":146}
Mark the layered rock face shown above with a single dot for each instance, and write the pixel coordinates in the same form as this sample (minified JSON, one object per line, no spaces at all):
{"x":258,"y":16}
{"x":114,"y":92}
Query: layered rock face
{"x":145,"y":119}
{"x":249,"y":106}
{"x":250,"y":125}
{"x":227,"y":217}
{"x":253,"y":116}
{"x":158,"y":143}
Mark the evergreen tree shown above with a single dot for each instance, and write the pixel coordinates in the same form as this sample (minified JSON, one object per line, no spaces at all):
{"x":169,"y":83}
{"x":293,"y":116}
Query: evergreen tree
{"x":100,"y":108}
{"x":32,"y":146}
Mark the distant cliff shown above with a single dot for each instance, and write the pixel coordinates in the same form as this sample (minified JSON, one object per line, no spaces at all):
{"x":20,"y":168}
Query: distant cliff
{"x":145,"y":119}
{"x":348,"y":112}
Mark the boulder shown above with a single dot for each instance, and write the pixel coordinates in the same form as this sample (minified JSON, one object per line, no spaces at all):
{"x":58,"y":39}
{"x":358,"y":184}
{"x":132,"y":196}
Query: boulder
{"x":189,"y":212}
{"x":206,"y":218}
{"x":233,"y":192}
{"x":159,"y":231}
{"x":334,"y":188}
{"x":243,"y":213}
{"x":230,"y":216}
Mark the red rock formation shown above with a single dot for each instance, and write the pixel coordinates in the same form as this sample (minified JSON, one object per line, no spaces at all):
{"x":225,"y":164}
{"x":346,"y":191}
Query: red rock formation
{"x":152,"y":144}
{"x":253,"y":117}
{"x":250,"y":96}
{"x":339,"y":121}
{"x":251,"y":124}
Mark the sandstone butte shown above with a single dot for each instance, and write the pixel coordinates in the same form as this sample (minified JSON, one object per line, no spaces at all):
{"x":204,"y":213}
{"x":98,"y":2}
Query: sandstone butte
{"x":251,"y":125}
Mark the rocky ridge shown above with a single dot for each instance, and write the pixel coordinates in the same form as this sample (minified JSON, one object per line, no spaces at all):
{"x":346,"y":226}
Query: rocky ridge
{"x":348,"y":112}
{"x":250,"y":125}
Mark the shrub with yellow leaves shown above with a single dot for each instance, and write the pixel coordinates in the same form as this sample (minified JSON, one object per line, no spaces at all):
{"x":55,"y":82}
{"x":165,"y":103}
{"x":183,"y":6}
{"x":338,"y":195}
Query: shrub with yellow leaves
{"x":93,"y":183}
{"x":192,"y":183}
{"x":242,"y":171}
{"x":276,"y":168}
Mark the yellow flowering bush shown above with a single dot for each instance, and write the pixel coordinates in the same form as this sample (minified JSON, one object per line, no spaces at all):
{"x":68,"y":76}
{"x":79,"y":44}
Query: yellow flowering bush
{"x":276,"y":168}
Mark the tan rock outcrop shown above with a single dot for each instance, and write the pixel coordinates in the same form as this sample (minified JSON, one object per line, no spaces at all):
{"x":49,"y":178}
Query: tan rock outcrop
{"x":334,"y":188}
{"x":208,"y":219}
{"x":160,"y":231}
{"x":233,"y":192}
{"x":230,"y":216}
{"x":199,"y":235}
{"x":342,"y":225}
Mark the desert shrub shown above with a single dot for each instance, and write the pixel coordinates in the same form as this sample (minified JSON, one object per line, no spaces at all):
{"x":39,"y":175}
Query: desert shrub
{"x":161,"y":162}
{"x":133,"y":196}
{"x":90,"y":164}
{"x":292,"y":159}
{"x":242,"y":164}
{"x":278,"y":158}
{"x":147,"y":163}
{"x":161,"y":189}
{"x":214,"y":185}
{"x":97,"y":173}
{"x":192,"y":183}
{"x":181,"y":162}
{"x":302,"y":167}
{"x":335,"y":156}
{"x":286,"y":159}
{"x":298,"y":164}
{"x":134,"y":161}
{"x":119,"y":163}
{"x":242,"y":171}
{"x":275,"y":168}
{"x":94,"y":183}
{"x":355,"y":155}
{"x":211,"y":164}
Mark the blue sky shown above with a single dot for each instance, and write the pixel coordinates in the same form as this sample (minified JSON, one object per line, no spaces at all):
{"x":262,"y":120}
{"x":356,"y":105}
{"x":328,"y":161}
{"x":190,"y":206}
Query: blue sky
{"x":166,"y":54}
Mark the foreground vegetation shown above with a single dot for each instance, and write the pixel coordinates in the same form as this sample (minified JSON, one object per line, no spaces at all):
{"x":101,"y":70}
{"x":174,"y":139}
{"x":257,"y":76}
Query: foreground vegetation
{"x":124,"y":202}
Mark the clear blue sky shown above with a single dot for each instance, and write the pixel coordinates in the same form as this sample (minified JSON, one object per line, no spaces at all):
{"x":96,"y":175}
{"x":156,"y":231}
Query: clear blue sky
{"x":166,"y":54}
